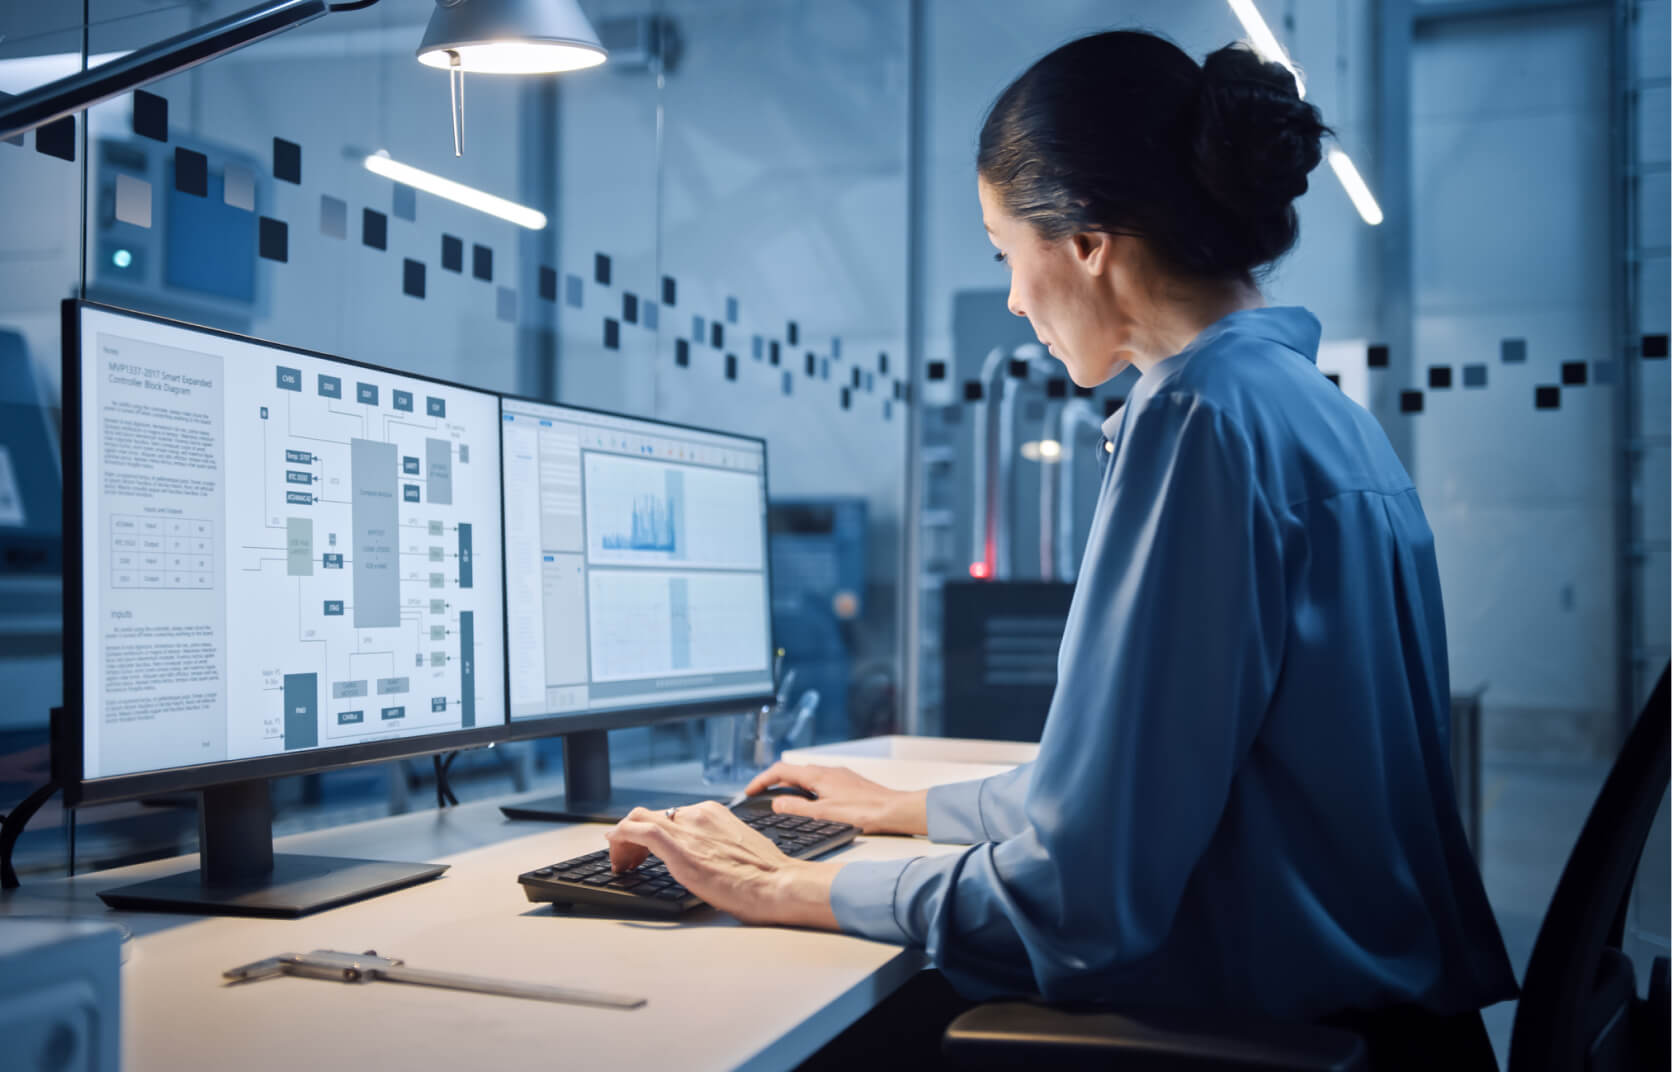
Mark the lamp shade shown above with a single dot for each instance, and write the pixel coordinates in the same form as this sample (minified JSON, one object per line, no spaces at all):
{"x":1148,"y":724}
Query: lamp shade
{"x":510,"y":37}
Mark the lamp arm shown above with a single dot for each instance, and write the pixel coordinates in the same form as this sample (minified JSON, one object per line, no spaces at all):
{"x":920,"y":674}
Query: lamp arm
{"x":82,"y":90}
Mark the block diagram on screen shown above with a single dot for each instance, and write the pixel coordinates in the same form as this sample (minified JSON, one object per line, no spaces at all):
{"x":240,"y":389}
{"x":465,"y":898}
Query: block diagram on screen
{"x":361,"y":529}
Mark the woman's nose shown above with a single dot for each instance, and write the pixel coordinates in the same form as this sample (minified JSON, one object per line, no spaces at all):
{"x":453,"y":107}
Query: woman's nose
{"x":1014,"y":305}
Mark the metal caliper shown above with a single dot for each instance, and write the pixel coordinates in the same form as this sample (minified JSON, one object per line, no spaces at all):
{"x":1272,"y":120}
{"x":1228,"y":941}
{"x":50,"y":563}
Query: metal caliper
{"x":368,"y":967}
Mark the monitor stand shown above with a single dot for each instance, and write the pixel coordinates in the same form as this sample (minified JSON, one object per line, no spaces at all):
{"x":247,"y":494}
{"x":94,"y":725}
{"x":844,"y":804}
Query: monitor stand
{"x":241,"y":875}
{"x":590,"y":799}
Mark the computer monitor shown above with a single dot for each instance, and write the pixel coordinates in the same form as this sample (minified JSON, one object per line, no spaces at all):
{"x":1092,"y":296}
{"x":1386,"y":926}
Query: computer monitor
{"x":277,"y":562}
{"x":638,"y":586}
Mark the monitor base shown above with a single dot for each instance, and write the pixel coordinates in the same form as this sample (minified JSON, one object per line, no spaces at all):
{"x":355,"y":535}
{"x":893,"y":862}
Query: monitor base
{"x":297,"y":886}
{"x":610,"y":809}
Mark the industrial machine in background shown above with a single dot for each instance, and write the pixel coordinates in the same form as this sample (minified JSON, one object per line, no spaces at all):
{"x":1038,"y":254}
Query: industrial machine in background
{"x":818,"y":586}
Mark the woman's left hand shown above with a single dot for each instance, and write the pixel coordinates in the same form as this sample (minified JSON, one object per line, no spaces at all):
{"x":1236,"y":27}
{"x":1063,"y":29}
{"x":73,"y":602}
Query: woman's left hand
{"x":710,"y":852}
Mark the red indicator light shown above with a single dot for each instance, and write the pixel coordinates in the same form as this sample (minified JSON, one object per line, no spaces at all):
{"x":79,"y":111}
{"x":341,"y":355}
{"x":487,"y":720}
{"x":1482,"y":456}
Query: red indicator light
{"x":978,"y":570}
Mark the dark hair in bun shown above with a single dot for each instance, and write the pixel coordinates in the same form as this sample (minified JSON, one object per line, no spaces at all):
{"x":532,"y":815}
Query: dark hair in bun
{"x":1123,"y":133}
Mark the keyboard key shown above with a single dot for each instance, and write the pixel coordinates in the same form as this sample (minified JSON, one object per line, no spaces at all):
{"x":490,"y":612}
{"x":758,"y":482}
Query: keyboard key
{"x":598,"y":880}
{"x":670,"y":895}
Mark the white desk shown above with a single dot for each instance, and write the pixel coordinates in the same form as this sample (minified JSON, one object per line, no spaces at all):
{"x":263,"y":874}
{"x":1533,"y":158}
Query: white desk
{"x":720,"y":995}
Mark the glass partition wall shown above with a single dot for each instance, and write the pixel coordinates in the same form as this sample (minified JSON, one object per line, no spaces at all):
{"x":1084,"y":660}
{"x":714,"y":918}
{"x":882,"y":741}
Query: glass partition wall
{"x":721,"y":242}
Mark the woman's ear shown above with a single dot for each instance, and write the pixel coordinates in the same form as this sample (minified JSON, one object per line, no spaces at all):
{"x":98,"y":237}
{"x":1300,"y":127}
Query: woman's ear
{"x":1093,"y":250}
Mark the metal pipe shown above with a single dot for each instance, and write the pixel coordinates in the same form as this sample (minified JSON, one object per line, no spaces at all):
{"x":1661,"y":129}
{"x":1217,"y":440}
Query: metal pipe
{"x":1077,"y":415}
{"x":1038,"y":362}
{"x":84,"y":89}
{"x":985,"y":468}
{"x":1052,"y":431}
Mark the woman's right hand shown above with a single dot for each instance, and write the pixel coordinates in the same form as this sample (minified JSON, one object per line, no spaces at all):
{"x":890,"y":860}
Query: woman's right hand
{"x":845,"y":797}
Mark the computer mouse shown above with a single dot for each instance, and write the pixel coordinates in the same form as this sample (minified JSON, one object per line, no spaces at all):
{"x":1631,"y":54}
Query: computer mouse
{"x":765,"y":795}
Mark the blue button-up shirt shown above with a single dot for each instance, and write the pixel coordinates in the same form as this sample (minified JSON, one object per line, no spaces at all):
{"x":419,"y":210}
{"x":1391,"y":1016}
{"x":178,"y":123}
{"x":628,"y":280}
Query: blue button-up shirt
{"x":1242,"y":798}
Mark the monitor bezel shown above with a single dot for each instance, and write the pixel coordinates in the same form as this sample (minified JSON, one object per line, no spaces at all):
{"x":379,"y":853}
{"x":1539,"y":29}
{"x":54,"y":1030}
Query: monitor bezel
{"x":557,"y":724}
{"x":68,"y":751}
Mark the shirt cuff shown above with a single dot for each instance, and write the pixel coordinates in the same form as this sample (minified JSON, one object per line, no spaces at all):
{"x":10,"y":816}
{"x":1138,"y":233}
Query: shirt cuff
{"x":954,"y":813}
{"x":862,"y":898}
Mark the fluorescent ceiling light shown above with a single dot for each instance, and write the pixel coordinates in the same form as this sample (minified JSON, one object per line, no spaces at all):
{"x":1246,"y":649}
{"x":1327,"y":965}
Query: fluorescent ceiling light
{"x":1267,"y":47}
{"x":1353,"y":183}
{"x":1042,"y":450}
{"x":1264,"y":41}
{"x":379,"y":163}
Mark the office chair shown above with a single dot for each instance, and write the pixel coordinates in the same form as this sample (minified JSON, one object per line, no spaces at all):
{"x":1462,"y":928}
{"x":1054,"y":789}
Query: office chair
{"x":1579,"y":1009}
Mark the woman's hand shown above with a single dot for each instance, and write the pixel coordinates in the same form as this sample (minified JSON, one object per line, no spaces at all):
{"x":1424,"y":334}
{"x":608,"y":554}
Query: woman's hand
{"x":710,"y":852}
{"x":845,"y":797}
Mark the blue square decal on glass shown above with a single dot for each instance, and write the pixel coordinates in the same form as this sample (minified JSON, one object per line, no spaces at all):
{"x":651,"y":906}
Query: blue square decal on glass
{"x":274,"y":240}
{"x":1474,"y":375}
{"x":548,"y":283}
{"x":333,"y":216}
{"x":652,"y":318}
{"x":287,"y":161}
{"x":412,"y":277}
{"x":681,"y":352}
{"x":788,"y":383}
{"x":601,"y":269}
{"x":793,"y":333}
{"x":150,"y":115}
{"x":481,"y":263}
{"x":630,"y":308}
{"x":452,"y":253}
{"x":612,"y":334}
{"x":716,"y":335}
{"x":57,"y":139}
{"x":506,"y":305}
{"x":374,"y":229}
{"x":191,"y":172}
{"x":404,"y":203}
{"x":698,"y":329}
{"x":572,"y":291}
{"x":1513,"y":351}
{"x":1602,"y":373}
{"x":731,"y":366}
{"x":670,"y":291}
{"x":731,"y":310}
{"x":836,"y":349}
{"x":758,"y":348}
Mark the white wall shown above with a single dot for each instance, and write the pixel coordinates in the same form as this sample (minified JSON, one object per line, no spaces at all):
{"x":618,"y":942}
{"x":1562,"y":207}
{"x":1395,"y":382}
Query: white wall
{"x":1510,"y":178}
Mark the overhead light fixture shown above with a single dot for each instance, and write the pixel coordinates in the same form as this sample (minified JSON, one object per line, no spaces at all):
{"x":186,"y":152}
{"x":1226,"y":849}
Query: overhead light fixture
{"x":380,"y":163}
{"x":1266,"y":46}
{"x":506,"y":37}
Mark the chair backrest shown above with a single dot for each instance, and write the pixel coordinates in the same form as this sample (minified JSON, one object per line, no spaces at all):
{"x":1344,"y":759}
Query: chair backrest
{"x":1579,"y":1007}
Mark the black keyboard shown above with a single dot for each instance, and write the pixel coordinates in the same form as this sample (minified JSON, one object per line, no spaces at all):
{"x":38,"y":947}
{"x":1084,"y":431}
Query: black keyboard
{"x":648,"y":887}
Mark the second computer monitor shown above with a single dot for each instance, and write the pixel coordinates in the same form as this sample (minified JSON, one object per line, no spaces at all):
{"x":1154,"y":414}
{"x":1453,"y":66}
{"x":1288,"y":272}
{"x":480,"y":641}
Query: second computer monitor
{"x":637,"y":580}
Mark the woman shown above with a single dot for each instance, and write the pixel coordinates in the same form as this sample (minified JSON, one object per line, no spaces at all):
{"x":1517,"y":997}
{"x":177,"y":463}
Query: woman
{"x":1242,"y":798}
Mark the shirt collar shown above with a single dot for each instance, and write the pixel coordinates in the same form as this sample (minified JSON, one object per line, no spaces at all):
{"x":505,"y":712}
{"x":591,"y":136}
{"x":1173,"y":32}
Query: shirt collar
{"x":1291,"y":327}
